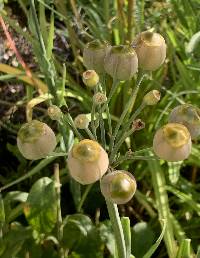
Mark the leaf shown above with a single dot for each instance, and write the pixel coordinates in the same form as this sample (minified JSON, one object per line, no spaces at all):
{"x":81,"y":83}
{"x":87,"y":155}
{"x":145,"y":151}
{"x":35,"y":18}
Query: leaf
{"x":50,"y":37}
{"x":142,"y":239}
{"x":14,"y":240}
{"x":75,"y":228}
{"x":2,"y":212}
{"x":193,"y":43}
{"x":155,"y":246}
{"x":107,"y":235}
{"x":18,"y":73}
{"x":184,"y":249}
{"x":41,"y":206}
{"x":185,"y":198}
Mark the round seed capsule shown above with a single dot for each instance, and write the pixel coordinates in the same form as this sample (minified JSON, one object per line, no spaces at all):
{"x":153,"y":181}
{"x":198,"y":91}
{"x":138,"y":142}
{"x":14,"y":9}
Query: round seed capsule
{"x":118,"y":186}
{"x":81,"y":121}
{"x":121,"y":62}
{"x":151,"y":50}
{"x":54,"y":113}
{"x":94,"y":54}
{"x":90,"y":78}
{"x":172,"y":142}
{"x":151,"y":98}
{"x":36,"y":140}
{"x":189,"y":116}
{"x":87,"y":161}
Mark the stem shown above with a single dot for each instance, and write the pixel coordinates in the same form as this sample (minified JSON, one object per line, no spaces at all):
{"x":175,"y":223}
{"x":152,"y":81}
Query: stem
{"x":84,"y":196}
{"x":32,"y":172}
{"x":59,"y":215}
{"x":112,"y":91}
{"x":90,"y":134}
{"x":129,"y":105}
{"x":127,"y":234}
{"x":119,"y":143}
{"x":131,"y":4}
{"x":69,"y":121}
{"x":117,"y":227}
{"x":102,"y":128}
{"x":162,"y":202}
{"x":92,"y":121}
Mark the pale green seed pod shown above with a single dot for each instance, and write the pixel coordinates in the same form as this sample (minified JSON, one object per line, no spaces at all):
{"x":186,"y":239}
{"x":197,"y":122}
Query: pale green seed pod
{"x":99,"y":98}
{"x":90,"y":78}
{"x":151,"y":98}
{"x":94,"y":54}
{"x":121,"y":62}
{"x":54,"y":112}
{"x":172,"y":142}
{"x":81,"y":121}
{"x":36,"y":140}
{"x":87,"y":162}
{"x":189,"y":116}
{"x":151,"y":50}
{"x":118,"y":186}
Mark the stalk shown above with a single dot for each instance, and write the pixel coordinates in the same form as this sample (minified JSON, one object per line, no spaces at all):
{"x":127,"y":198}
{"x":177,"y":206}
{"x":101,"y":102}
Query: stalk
{"x":162,"y":202}
{"x":131,"y":4}
{"x":117,"y":228}
{"x":59,"y":215}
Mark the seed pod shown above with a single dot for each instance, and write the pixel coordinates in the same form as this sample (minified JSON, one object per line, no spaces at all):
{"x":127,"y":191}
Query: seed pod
{"x":118,"y":186}
{"x":189,"y":116}
{"x":121,"y":62}
{"x":94,"y":54}
{"x":81,"y":121}
{"x":99,"y":98}
{"x":54,"y":112}
{"x":151,"y":50}
{"x":87,"y":162}
{"x":36,"y":140}
{"x":90,"y":78}
{"x":151,"y":98}
{"x":172,"y":142}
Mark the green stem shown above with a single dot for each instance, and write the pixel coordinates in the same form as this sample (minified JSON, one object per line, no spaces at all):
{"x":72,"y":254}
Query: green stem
{"x":90,"y":134}
{"x":117,"y":227}
{"x":162,"y":202}
{"x":102,"y":128}
{"x":127,"y":234}
{"x":129,"y":105}
{"x":59,"y":215}
{"x":67,"y":119}
{"x":119,"y":143}
{"x":84,"y":196}
{"x":130,"y":20}
{"x":32,"y":172}
{"x":112,"y":91}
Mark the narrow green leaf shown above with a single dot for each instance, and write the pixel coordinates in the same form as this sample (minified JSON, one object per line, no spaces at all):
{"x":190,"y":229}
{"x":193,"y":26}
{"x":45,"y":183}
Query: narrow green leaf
{"x":155,"y":246}
{"x":50,"y":37}
{"x":193,"y":43}
{"x":184,"y":249}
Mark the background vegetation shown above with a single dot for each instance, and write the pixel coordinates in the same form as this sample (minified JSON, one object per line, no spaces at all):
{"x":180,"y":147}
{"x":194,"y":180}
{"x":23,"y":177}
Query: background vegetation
{"x":166,"y":190}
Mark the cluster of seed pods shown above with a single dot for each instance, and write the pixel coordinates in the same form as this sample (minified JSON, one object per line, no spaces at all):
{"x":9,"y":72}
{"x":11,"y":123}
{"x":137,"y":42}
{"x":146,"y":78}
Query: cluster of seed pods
{"x":88,"y":161}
